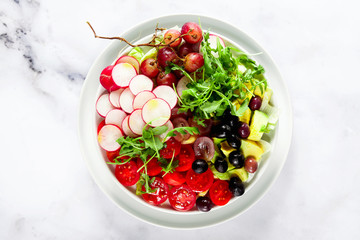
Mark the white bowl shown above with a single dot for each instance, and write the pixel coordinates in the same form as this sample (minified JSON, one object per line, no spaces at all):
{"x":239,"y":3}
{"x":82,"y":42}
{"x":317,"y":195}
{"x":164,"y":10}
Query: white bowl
{"x":124,"y":197}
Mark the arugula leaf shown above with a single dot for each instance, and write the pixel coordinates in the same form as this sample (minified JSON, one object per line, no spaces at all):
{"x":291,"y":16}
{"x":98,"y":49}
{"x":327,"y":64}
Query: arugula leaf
{"x":239,"y":112}
{"x":176,"y":67}
{"x":220,"y":82}
{"x":182,"y":130}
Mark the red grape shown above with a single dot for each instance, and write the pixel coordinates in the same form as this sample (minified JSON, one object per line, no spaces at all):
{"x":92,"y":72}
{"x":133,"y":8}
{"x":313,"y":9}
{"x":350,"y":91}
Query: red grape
{"x":185,"y":49}
{"x":193,"y":31}
{"x":193,"y":61}
{"x":255,"y":103}
{"x":166,"y":79}
{"x":166,"y":55}
{"x":149,"y":68}
{"x":251,"y":164}
{"x":244,"y":130}
{"x":170,"y":36}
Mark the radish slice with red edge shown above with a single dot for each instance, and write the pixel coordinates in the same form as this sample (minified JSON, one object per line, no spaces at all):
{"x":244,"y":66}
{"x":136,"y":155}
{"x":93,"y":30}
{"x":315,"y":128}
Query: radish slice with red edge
{"x":156,"y":112}
{"x":140,"y":83}
{"x":126,"y":100}
{"x":170,"y":127}
{"x":131,"y":60}
{"x":141,"y":98}
{"x":181,"y":85}
{"x":114,"y":97}
{"x":136,"y":123}
{"x":103,"y":105}
{"x":122,"y":73}
{"x":125,"y":127}
{"x":167,"y":93}
{"x":107,"y":137}
{"x":115,"y":117}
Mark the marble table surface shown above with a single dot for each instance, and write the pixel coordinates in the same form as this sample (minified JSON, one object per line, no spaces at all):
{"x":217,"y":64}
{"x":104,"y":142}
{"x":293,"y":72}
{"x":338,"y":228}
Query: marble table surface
{"x":46,"y":49}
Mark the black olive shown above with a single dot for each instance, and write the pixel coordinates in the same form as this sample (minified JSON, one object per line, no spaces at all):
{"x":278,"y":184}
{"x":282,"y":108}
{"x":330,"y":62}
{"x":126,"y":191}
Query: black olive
{"x":200,"y":166}
{"x":220,"y":130}
{"x":221,"y":165}
{"x":233,"y":140}
{"x":233,"y":122}
{"x":237,"y":159}
{"x":204,"y":204}
{"x":236,"y":186}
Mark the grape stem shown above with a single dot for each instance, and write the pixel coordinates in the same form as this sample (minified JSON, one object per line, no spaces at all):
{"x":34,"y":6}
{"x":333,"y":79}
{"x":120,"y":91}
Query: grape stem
{"x":142,"y":44}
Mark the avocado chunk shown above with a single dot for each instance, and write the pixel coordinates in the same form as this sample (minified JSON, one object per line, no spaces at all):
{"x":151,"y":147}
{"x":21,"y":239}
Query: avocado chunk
{"x":251,"y":148}
{"x":258,"y":123}
{"x":219,"y":175}
{"x":226,"y":148}
{"x":240,"y":172}
{"x":246,"y":116}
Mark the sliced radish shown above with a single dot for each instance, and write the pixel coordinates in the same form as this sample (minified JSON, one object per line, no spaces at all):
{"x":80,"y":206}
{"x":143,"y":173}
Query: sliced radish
{"x":103,"y":105}
{"x":125,"y":127}
{"x":181,"y":86}
{"x":122,"y":73}
{"x":167,"y":93}
{"x":141,"y":98}
{"x":115,"y":117}
{"x":140,"y":83}
{"x":107,"y":137}
{"x":170,"y":127}
{"x":136,"y":123}
{"x":114,"y":97}
{"x":156,"y":112}
{"x":131,"y":60}
{"x":126,"y":100}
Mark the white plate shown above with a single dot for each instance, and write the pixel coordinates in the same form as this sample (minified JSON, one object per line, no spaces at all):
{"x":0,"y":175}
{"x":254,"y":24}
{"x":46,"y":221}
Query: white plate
{"x":102,"y":174}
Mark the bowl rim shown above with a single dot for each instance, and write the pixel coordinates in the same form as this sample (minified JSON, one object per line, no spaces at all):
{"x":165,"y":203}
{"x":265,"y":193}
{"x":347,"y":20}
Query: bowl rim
{"x":110,"y":193}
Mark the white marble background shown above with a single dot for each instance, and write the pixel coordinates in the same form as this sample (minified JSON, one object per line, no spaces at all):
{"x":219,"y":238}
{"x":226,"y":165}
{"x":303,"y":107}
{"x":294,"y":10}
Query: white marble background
{"x":46,"y":49}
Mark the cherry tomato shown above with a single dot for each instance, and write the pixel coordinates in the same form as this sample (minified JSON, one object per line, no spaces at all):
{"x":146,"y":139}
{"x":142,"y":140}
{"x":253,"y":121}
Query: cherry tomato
{"x":101,"y":124}
{"x":127,"y":173}
{"x":220,"y":193}
{"x":174,"y":178}
{"x":186,"y":157}
{"x":199,"y":182}
{"x":172,"y":146}
{"x":161,"y":193}
{"x":182,"y":198}
{"x":153,"y":167}
{"x":112,"y":155}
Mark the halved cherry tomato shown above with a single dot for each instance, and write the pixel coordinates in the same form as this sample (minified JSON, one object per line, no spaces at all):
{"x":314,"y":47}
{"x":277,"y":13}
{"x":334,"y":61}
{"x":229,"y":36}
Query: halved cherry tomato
{"x":112,"y":155}
{"x":199,"y":182}
{"x":101,"y":124}
{"x":174,"y":178}
{"x":182,"y":198}
{"x":161,"y":193}
{"x":220,"y":193}
{"x":172,"y":148}
{"x":186,"y":157}
{"x":127,"y":173}
{"x":153,"y":167}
